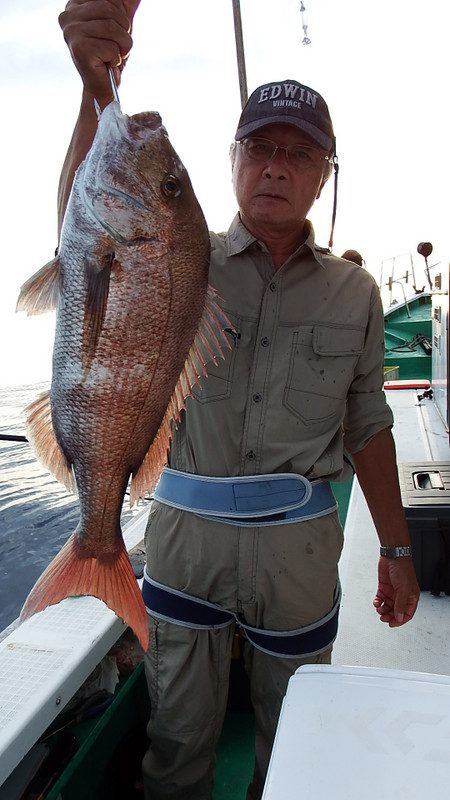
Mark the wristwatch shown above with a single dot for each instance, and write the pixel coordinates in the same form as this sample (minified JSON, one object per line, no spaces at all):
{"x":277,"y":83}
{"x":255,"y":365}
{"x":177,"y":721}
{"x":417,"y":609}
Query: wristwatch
{"x":396,"y":552}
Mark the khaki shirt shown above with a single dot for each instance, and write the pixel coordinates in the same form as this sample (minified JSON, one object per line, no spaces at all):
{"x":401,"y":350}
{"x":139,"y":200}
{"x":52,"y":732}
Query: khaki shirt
{"x":304,"y":377}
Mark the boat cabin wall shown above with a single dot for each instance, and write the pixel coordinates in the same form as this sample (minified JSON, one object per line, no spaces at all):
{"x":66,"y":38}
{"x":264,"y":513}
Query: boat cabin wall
{"x":441,"y":350}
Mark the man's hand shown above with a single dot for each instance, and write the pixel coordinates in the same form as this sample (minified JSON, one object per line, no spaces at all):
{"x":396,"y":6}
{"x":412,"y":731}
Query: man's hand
{"x":398,"y":591}
{"x":98,"y":34}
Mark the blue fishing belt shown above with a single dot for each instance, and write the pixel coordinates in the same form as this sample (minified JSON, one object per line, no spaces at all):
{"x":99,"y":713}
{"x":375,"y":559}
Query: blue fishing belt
{"x":247,"y":501}
{"x":184,"y":609}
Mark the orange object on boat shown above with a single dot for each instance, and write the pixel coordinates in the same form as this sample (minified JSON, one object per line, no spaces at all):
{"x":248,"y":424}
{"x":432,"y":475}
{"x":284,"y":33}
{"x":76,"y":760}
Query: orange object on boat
{"x":407,"y":384}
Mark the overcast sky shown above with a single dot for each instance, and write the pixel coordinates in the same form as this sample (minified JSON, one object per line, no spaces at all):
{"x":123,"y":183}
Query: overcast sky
{"x":382,"y":67}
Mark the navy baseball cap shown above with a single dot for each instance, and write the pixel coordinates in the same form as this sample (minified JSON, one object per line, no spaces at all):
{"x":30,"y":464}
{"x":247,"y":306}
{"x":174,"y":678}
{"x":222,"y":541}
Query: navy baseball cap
{"x":291,"y":103}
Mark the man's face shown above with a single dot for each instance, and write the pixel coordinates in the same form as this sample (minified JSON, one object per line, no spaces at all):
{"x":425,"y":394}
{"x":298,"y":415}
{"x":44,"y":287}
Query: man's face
{"x":275,"y":194}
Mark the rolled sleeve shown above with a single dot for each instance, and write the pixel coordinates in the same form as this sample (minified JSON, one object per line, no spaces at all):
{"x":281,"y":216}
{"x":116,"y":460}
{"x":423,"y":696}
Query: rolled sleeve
{"x":367,"y":410}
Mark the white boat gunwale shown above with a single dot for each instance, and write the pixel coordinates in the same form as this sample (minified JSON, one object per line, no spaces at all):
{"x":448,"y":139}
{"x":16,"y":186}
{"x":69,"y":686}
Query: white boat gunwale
{"x":45,"y":660}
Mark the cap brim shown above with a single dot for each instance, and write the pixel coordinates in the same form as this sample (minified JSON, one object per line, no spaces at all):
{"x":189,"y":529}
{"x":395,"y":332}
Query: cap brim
{"x":311,"y":130}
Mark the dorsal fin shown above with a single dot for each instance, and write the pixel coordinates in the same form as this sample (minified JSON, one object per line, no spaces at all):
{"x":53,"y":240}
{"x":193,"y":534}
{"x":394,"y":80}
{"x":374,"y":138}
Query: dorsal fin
{"x":209,"y":343}
{"x":40,"y":293}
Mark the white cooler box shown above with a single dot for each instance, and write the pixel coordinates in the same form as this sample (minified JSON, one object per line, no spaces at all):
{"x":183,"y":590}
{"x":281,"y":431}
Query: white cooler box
{"x":354,"y":733}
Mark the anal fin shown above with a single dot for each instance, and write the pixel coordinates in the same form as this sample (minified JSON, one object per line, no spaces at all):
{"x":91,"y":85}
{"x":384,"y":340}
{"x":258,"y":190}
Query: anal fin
{"x":42,"y":438}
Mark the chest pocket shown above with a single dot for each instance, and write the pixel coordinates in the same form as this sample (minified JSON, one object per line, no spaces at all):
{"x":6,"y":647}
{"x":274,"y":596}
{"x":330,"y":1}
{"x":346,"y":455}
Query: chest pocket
{"x":217,"y":386}
{"x":321,"y":369}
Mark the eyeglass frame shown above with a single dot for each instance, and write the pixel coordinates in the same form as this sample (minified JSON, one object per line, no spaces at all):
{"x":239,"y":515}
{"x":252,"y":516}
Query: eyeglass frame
{"x":330,"y":159}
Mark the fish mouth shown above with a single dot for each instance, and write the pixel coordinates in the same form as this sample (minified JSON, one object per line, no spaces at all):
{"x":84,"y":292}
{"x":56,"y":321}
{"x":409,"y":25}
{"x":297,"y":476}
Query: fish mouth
{"x":150,"y":120}
{"x":138,"y":128}
{"x":141,"y":127}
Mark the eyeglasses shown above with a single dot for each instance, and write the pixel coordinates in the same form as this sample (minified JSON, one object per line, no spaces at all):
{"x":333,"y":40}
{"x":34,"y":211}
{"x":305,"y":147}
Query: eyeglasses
{"x":298,"y":156}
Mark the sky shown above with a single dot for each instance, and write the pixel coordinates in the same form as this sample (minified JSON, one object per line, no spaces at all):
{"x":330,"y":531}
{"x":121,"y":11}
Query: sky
{"x":382,"y":68}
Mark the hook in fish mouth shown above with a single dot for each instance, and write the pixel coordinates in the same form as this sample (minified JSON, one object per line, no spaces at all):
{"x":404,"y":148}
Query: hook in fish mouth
{"x":115,"y":93}
{"x":113,"y":85}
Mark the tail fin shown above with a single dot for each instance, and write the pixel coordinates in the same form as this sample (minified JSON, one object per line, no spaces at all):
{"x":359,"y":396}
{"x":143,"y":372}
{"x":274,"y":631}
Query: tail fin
{"x":113,"y":581}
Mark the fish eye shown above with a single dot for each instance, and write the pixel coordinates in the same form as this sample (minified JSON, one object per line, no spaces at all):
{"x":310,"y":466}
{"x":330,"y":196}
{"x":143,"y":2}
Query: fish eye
{"x":171,"y":186}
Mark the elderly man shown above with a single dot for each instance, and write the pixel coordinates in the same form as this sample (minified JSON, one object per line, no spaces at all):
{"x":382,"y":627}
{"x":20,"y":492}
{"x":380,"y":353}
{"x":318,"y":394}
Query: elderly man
{"x":256,"y":539}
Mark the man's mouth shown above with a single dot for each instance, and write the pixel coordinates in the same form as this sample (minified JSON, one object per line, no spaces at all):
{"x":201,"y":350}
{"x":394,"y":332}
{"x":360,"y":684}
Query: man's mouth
{"x":271,"y":196}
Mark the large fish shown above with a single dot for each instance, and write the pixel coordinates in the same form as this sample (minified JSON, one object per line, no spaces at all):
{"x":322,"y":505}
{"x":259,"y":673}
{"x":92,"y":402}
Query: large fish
{"x":136,"y":324}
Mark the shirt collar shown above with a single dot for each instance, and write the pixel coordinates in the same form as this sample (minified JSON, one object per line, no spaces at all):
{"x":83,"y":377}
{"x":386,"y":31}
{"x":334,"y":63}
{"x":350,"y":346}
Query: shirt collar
{"x":310,"y":242}
{"x":238,"y":239}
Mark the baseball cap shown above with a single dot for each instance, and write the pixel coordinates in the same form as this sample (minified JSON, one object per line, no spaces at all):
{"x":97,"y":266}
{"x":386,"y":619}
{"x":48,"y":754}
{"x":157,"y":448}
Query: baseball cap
{"x":291,"y":103}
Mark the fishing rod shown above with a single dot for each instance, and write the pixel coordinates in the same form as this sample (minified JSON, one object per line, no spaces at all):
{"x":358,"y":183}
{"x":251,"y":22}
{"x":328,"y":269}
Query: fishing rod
{"x":12,"y":437}
{"x":240,"y":51}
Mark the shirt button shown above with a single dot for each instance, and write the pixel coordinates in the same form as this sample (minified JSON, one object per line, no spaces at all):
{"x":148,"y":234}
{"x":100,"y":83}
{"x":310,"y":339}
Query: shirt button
{"x":272,"y":287}
{"x":265,"y":341}
{"x":257,"y":397}
{"x":250,"y":455}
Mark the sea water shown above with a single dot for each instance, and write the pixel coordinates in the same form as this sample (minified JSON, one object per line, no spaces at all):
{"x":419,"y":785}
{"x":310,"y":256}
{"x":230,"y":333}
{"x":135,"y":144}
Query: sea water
{"x":37,"y":514}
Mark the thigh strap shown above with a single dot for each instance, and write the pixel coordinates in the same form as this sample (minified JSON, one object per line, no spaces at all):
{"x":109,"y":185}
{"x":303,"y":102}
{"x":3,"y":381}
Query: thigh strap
{"x":184,"y":609}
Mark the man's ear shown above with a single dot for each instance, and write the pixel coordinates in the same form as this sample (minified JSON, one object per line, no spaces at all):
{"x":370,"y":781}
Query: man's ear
{"x":319,"y":192}
{"x":233,"y":153}
{"x":328,"y":173}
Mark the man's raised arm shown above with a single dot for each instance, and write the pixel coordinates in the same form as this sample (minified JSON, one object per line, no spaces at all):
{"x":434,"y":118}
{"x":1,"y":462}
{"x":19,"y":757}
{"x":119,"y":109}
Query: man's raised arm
{"x":98,"y":35}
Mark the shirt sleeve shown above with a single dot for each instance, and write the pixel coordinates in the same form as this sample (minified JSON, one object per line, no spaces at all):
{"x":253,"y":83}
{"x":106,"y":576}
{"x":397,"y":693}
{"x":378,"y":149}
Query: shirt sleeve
{"x":367,"y":410}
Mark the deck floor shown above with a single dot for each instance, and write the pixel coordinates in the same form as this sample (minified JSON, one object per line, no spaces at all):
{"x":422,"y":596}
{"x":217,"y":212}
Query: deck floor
{"x":422,"y":645}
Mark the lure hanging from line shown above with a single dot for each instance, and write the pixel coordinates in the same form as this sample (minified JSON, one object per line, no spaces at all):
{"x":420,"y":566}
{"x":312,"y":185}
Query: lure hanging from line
{"x":306,"y":39}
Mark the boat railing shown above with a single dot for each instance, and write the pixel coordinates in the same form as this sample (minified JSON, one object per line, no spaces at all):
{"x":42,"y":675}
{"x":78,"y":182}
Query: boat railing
{"x":400,"y":269}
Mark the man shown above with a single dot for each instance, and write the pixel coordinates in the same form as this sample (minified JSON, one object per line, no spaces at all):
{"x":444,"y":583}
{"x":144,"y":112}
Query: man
{"x":303,"y":379}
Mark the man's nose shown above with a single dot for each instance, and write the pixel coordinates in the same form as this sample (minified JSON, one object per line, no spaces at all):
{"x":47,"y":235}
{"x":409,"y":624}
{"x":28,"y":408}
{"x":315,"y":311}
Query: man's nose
{"x":277,"y":165}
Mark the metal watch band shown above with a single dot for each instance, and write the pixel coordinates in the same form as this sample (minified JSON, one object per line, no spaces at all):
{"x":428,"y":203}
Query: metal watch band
{"x":396,"y":552}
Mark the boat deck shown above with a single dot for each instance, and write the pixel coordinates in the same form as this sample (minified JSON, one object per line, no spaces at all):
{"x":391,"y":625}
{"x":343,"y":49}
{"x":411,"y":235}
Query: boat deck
{"x":423,"y":645}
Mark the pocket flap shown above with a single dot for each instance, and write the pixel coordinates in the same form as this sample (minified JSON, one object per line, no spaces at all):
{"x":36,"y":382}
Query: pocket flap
{"x":332,"y":341}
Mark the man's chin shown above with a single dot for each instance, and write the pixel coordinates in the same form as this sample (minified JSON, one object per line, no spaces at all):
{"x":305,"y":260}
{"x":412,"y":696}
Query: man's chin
{"x":271,"y":214}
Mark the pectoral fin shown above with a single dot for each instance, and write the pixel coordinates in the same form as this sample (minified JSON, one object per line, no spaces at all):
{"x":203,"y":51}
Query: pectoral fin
{"x":98,"y":276}
{"x":209,"y":343}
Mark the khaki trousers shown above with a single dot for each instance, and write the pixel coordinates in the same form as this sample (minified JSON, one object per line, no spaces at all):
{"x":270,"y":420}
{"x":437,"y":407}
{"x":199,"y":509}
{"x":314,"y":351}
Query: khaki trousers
{"x":279,"y":578}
